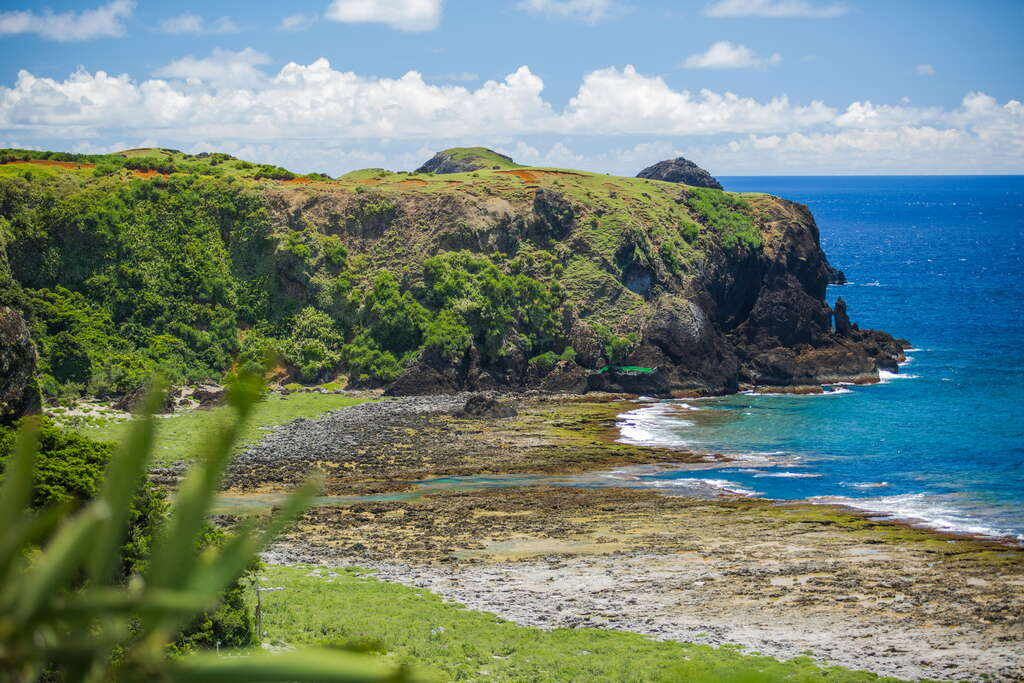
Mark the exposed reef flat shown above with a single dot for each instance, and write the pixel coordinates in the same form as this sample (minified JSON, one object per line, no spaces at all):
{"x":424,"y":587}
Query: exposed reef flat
{"x":777,"y":579}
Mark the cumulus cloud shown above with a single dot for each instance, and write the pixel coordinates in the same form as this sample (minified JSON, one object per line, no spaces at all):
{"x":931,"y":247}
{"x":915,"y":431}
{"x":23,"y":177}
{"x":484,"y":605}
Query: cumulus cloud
{"x":774,"y":8}
{"x":611,"y":101}
{"x":297,"y":22}
{"x":404,"y":15}
{"x":222,"y":68}
{"x":925,"y":70}
{"x":588,"y":10}
{"x":726,"y":55}
{"x":305,"y":114}
{"x":106,"y":21}
{"x":196,"y":25}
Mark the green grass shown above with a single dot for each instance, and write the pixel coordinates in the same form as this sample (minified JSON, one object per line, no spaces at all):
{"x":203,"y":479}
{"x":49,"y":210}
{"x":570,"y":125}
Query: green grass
{"x":449,"y":642}
{"x":489,"y":158}
{"x":176,"y":434}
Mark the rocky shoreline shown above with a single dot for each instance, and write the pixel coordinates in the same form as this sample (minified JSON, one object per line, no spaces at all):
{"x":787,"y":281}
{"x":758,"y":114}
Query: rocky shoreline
{"x":777,"y":579}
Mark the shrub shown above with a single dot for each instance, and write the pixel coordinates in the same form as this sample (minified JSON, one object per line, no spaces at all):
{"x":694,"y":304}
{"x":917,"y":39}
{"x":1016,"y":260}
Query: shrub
{"x":616,"y":349}
{"x":545,"y":362}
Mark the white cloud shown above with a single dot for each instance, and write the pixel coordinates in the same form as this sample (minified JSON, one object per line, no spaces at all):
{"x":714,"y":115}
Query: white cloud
{"x":297,"y":22}
{"x":222,"y":68}
{"x":626,"y":102}
{"x":925,"y":70}
{"x":588,"y":10}
{"x":316,"y":117}
{"x":106,"y":21}
{"x":869,"y":115}
{"x":726,"y":55}
{"x":196,"y":25}
{"x":404,"y":15}
{"x":774,"y":8}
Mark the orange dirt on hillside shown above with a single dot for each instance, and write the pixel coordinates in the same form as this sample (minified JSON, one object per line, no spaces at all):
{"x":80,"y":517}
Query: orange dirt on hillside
{"x":525,"y":176}
{"x":533,"y":176}
{"x":48,"y":162}
{"x":297,"y":181}
{"x":367,"y":181}
{"x":147,"y":174}
{"x":413,"y":181}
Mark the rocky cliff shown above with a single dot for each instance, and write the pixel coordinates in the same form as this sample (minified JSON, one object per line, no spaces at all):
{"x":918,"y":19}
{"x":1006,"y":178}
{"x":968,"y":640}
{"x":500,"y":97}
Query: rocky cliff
{"x":472,"y":273}
{"x":19,"y":391}
{"x":710,"y":289}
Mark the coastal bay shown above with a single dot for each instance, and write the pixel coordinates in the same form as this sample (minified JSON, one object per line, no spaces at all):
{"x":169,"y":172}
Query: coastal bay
{"x":778,"y":579}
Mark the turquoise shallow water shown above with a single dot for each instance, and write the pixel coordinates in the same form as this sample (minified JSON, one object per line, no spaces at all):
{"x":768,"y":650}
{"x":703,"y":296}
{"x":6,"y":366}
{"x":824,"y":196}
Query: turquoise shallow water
{"x":939,"y":261}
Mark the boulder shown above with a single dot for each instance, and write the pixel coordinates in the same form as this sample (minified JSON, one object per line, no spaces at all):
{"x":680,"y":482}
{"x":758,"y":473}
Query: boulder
{"x":482,"y":405}
{"x":19,"y":388}
{"x":565,"y":378}
{"x":209,"y":395}
{"x":680,"y":170}
{"x":132,"y":401}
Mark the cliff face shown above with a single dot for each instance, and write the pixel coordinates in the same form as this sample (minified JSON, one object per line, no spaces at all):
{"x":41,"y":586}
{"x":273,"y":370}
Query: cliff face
{"x":712,"y":290}
{"x":19,"y":391}
{"x":499,"y":276}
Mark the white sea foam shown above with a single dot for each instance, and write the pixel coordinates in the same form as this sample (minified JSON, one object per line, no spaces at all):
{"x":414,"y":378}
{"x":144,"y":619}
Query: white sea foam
{"x":648,"y":426}
{"x":864,"y":484}
{"x":885,"y":376}
{"x":788,"y":475}
{"x":712,"y":486}
{"x":923,"y":509}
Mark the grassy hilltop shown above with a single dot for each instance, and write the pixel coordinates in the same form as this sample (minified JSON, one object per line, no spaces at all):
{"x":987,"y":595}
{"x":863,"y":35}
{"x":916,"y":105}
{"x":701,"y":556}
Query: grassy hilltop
{"x":149,"y":258}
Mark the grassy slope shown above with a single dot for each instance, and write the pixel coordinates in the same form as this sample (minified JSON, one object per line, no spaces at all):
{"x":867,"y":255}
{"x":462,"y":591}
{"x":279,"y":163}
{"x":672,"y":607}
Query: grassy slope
{"x":667,"y":228}
{"x":448,"y":642}
{"x":176,"y":433}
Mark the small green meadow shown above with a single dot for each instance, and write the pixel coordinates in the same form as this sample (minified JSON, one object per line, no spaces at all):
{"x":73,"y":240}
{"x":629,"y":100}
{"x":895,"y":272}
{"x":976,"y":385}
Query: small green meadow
{"x":446,"y":642}
{"x":176,"y":433}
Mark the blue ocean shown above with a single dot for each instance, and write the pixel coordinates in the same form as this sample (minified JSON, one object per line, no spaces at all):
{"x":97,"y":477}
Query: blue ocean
{"x":939,"y":261}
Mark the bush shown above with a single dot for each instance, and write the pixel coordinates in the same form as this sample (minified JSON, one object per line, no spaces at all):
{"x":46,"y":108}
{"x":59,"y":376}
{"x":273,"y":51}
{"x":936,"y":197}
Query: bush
{"x":545,"y":362}
{"x":367,"y":362}
{"x":616,"y":349}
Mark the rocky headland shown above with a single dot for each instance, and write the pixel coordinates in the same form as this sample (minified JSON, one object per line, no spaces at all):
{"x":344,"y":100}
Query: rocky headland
{"x":473,"y":273}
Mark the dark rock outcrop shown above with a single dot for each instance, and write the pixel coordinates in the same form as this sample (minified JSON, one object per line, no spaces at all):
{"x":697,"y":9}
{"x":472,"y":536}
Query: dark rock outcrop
{"x":481,"y":405}
{"x":19,"y":388}
{"x":565,"y":378}
{"x":132,"y":401}
{"x":843,"y":325}
{"x":680,"y":170}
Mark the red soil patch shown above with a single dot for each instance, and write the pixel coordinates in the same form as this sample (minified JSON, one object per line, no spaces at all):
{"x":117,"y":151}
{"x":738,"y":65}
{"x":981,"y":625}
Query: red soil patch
{"x":147,"y":174}
{"x":454,"y":182}
{"x":525,"y":176}
{"x":296,"y":181}
{"x":47,"y":162}
{"x":367,"y":181}
{"x":413,"y":181}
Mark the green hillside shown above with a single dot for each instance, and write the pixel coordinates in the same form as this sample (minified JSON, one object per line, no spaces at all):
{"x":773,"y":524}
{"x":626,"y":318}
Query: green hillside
{"x":197,"y":264}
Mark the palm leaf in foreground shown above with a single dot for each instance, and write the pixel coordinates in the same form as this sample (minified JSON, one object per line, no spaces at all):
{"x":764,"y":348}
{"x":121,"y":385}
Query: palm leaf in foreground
{"x":63,"y":610}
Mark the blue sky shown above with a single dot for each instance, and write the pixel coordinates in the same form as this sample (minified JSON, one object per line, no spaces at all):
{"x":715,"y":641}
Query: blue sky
{"x":740,"y":86}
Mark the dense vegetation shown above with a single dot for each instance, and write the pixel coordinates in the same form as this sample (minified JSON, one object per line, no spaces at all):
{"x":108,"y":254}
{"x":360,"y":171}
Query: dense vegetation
{"x":66,"y":612}
{"x":154,"y":259}
{"x":68,"y":471}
